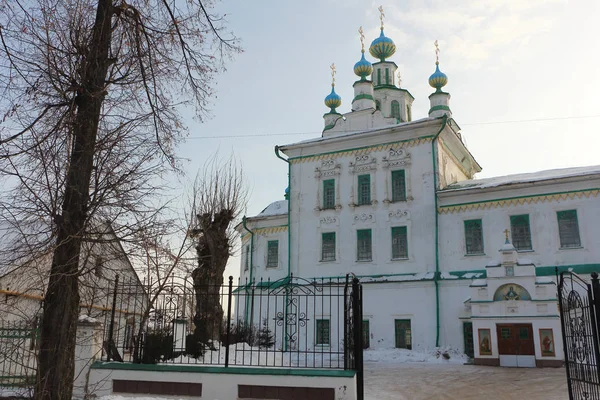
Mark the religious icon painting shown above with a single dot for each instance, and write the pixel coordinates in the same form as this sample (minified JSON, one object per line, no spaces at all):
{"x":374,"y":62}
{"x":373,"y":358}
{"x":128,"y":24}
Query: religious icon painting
{"x":485,"y":342}
{"x":547,"y":343}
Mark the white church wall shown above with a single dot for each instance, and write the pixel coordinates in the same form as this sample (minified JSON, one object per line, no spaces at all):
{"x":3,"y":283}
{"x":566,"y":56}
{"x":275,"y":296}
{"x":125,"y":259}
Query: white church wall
{"x":453,"y":312}
{"x":543,"y":224}
{"x":308,"y":222}
{"x":383,"y":303}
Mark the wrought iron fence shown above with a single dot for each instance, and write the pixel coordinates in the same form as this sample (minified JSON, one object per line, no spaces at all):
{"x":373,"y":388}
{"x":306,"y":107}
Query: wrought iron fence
{"x":18,"y":353}
{"x":579,"y":304}
{"x":292,"y":322}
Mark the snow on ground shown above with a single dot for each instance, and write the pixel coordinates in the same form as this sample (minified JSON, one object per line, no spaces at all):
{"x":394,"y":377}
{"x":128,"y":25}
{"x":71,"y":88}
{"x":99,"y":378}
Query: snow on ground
{"x":244,"y":355}
{"x":401,"y":356}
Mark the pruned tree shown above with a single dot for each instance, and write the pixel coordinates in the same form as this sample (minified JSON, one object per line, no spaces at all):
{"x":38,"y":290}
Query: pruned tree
{"x":220,"y":197}
{"x":90,"y":93}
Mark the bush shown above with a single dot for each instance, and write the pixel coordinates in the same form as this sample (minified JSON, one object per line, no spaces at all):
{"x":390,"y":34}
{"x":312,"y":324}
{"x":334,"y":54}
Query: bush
{"x":265,"y":336}
{"x":158,"y":346}
{"x":239,"y":333}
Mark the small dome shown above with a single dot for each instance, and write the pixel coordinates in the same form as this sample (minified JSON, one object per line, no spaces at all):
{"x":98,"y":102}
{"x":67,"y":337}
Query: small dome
{"x":363,"y":68}
{"x":333,"y":100}
{"x":438,"y":79}
{"x":383,"y":47}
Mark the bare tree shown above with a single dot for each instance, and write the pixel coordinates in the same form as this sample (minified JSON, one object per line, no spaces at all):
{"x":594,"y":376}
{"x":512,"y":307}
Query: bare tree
{"x":90,"y":91}
{"x":220,"y":198}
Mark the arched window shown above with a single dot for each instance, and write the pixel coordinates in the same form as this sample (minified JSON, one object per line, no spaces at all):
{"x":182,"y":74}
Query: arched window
{"x":377,"y":105}
{"x":511,"y":291}
{"x":396,"y":110}
{"x":408,"y":114}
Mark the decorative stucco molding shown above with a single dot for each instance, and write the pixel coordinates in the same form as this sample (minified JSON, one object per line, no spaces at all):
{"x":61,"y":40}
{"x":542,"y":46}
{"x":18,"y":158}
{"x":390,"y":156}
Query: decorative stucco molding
{"x":450,"y":209}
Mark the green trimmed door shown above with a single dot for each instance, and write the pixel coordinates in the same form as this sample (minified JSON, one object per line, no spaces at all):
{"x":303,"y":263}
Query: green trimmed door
{"x":468,"y":338}
{"x":403,"y":334}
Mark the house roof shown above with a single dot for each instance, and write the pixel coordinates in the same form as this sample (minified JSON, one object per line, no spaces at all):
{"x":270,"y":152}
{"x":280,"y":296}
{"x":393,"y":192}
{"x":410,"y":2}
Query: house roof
{"x":279,"y":207}
{"x":360,"y":132}
{"x":532,"y":177}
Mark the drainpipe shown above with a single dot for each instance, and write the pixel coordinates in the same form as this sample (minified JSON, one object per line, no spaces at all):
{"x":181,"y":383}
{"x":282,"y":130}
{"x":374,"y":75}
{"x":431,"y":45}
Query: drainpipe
{"x":436,"y":276}
{"x":289,"y":208}
{"x":251,"y":261}
{"x":289,"y":199}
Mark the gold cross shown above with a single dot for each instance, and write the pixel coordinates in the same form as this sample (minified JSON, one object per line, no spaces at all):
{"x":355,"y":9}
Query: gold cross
{"x":506,"y":232}
{"x":332,"y":74}
{"x":362,"y":39}
{"x":381,"y":16}
{"x":437,"y":52}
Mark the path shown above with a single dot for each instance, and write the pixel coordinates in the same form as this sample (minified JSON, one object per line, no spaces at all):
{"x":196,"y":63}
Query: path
{"x":414,"y":381}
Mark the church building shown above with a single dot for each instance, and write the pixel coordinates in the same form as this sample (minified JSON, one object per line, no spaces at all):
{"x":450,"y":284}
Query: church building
{"x":445,"y":259}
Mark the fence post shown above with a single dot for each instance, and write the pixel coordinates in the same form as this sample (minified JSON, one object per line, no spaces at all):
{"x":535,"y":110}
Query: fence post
{"x":228,"y":321}
{"x":111,"y":326}
{"x":358,"y":339}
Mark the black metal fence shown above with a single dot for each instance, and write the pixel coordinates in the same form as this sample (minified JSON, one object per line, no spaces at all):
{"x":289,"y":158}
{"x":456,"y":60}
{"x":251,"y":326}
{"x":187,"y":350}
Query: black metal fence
{"x":18,"y":353}
{"x":292,"y":322}
{"x":579,"y":304}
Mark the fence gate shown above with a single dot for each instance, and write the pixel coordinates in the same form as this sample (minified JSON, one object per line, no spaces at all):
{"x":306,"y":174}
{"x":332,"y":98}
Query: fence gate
{"x":579,"y":304}
{"x":353,"y":332}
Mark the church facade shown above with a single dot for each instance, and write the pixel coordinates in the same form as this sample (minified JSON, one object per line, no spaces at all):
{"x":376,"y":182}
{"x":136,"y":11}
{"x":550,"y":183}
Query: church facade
{"x":445,"y":259}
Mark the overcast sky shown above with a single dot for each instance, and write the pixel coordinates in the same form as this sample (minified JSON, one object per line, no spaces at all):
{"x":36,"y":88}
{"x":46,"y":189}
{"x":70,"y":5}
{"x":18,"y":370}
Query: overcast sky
{"x":506,"y":61}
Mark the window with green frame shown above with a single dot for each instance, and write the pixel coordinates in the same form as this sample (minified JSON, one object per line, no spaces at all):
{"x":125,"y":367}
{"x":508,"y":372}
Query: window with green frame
{"x":398,"y":185}
{"x":379,"y":77}
{"x":474,"y":236}
{"x":520,"y":232}
{"x":568,"y":229}
{"x":329,"y":193}
{"x":322,"y":333}
{"x":396,"y":110}
{"x":364,"y":249}
{"x":247,"y":263}
{"x":328,"y":246}
{"x":387,"y":76}
{"x":272,"y":253}
{"x":364,"y":189}
{"x":399,"y":242}
{"x":377,"y":105}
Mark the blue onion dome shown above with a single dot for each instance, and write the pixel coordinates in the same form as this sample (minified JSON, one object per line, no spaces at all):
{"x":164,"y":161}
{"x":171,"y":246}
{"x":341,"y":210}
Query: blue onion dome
{"x":333,"y":100}
{"x":383,"y":47}
{"x":287,"y":193}
{"x":363,"y":68}
{"x":438,"y":79}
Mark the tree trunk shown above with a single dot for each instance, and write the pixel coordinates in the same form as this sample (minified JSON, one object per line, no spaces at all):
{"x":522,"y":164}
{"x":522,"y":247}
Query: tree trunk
{"x":61,"y":304}
{"x":213,"y":253}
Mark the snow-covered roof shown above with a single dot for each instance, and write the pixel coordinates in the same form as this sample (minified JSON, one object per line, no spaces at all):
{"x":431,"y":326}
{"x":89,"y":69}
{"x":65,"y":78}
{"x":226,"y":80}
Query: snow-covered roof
{"x":341,"y":135}
{"x":523,"y":178}
{"x":279,"y":207}
{"x":544,"y":280}
{"x":479,"y":283}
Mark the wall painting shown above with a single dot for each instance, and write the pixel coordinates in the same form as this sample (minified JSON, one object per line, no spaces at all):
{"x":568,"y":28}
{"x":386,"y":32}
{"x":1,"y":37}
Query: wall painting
{"x":485,"y":342}
{"x":547,"y":343}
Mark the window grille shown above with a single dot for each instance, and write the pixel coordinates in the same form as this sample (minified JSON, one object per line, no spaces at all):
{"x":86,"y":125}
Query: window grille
{"x":364,"y":189}
{"x":520,"y":232}
{"x":474,"y":236}
{"x":272,"y":253}
{"x":322,"y":336}
{"x":329,"y":193}
{"x":328,"y":246}
{"x":568,"y":229}
{"x":247,"y":263}
{"x":398,"y":185}
{"x":364,"y":245}
{"x":399,"y":242}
